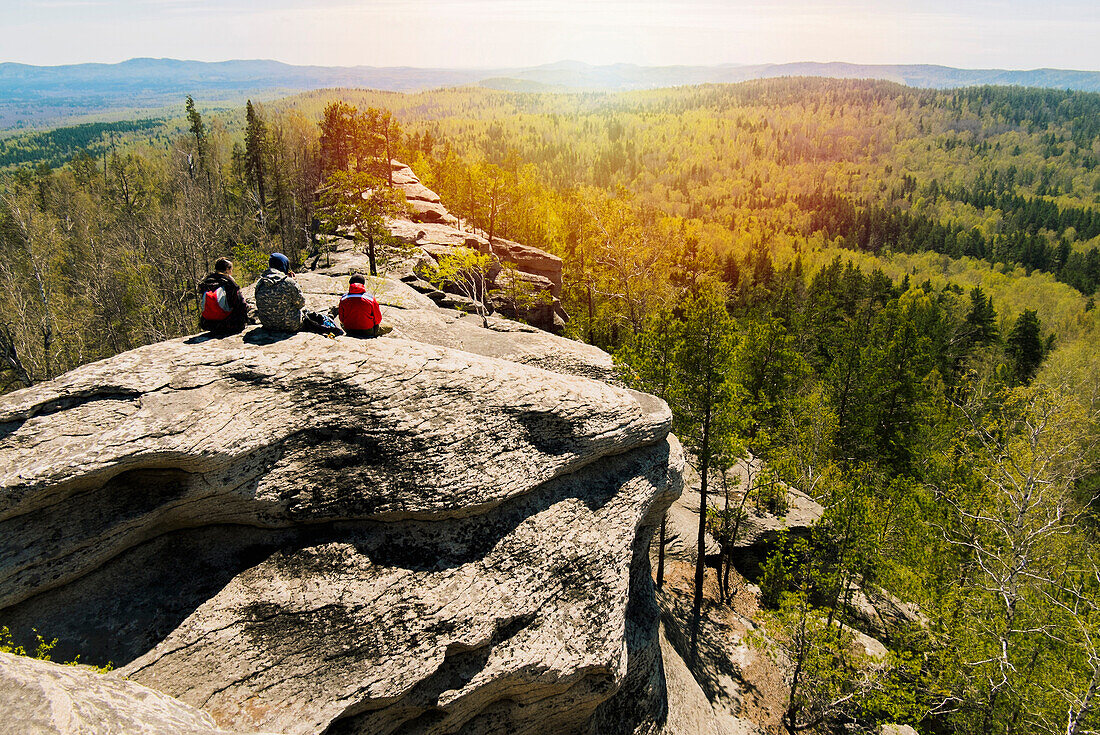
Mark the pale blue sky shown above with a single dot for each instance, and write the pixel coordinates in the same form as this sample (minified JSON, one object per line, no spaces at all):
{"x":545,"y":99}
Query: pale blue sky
{"x":1014,"y":34}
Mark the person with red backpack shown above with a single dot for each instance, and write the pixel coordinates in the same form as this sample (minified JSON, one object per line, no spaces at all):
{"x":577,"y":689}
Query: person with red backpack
{"x":224,"y":310}
{"x":359,"y":311}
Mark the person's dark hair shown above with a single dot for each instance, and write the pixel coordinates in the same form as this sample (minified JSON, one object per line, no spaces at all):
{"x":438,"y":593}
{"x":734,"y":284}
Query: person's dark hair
{"x":358,"y":278}
{"x":222,"y":265}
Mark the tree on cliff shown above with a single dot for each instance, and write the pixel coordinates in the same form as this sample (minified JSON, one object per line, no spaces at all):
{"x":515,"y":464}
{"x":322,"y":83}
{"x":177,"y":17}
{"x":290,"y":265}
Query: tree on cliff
{"x":468,"y":271}
{"x":706,"y":398}
{"x":358,"y":202}
{"x":695,"y":375}
{"x":648,"y":359}
{"x":339,"y":133}
{"x":386,"y":134}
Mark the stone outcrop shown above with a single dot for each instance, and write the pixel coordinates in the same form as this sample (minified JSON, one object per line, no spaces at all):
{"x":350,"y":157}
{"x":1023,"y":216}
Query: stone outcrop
{"x":442,"y":530}
{"x":424,"y":204}
{"x":897,"y":730}
{"x":758,"y":530}
{"x":413,"y":315}
{"x":50,"y":699}
{"x":880,"y":613}
{"x":435,"y":232}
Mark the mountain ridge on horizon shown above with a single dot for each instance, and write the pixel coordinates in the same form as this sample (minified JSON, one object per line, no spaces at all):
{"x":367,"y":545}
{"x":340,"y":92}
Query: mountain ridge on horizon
{"x":37,"y":96}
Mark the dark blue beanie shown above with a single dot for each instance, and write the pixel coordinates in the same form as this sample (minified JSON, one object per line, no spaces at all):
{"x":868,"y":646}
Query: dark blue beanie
{"x":279,"y":262}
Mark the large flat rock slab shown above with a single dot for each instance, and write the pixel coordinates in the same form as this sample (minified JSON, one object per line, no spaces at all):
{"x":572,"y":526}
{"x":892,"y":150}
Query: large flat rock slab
{"x":228,"y":430}
{"x":429,"y":531}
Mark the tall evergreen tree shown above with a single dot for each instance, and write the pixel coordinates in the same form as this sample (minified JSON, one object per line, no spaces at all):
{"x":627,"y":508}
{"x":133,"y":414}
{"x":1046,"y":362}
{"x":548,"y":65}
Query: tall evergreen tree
{"x":981,"y":320}
{"x":255,"y":138}
{"x":198,"y":130}
{"x":1024,"y":346}
{"x":705,"y":396}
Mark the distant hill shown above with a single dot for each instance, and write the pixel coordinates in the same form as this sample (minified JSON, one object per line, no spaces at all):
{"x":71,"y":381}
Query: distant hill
{"x":628,"y":76}
{"x":40,"y":96}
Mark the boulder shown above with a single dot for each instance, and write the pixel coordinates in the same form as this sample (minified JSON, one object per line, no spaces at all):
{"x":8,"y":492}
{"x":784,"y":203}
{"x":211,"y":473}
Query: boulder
{"x":865,"y":645}
{"x":299,"y":534}
{"x":530,"y":260}
{"x":414,"y":190}
{"x":756,"y":533}
{"x":421,"y":211}
{"x":404,"y":175}
{"x":427,"y":233}
{"x":760,"y":527}
{"x":405,"y":180}
{"x":892,"y":729}
{"x":529,"y":298}
{"x":465,"y":304}
{"x":682,"y":520}
{"x":880,"y":613}
{"x":50,"y":699}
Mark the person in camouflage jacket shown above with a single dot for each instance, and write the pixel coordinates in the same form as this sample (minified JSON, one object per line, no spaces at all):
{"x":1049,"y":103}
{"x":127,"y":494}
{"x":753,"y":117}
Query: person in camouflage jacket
{"x":279,"y":299}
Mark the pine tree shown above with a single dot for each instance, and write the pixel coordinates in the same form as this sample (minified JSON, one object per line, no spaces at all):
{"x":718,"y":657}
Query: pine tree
{"x":1024,"y":346}
{"x":254,"y":140}
{"x":198,"y":130}
{"x":704,"y":397}
{"x":981,"y":320}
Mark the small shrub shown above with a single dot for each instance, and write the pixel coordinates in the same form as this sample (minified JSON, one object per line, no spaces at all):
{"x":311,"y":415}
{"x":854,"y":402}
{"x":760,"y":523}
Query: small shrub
{"x":43,"y":650}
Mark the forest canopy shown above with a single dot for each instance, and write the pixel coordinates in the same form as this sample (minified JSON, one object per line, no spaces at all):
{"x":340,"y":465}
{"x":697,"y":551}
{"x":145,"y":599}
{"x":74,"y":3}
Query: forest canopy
{"x":885,"y":294}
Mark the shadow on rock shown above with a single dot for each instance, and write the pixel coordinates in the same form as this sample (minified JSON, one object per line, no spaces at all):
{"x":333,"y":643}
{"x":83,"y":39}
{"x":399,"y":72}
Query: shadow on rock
{"x":261,"y":336}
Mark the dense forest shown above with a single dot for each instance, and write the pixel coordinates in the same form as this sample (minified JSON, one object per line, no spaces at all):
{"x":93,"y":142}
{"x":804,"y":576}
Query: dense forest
{"x":885,"y":293}
{"x":52,"y":148}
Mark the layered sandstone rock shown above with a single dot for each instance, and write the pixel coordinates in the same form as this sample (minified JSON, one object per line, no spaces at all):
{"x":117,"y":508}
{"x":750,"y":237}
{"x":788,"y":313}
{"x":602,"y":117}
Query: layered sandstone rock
{"x":760,"y":527}
{"x":434,"y":230}
{"x":50,"y":699}
{"x":443,"y":530}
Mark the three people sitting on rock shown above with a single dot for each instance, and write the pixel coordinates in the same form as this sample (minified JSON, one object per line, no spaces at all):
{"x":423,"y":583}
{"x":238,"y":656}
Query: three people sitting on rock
{"x":280,"y":303}
{"x":224,"y":309}
{"x":359,"y":311}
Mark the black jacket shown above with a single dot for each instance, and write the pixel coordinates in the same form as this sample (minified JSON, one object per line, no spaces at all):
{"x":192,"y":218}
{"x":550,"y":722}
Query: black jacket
{"x":239,"y":313}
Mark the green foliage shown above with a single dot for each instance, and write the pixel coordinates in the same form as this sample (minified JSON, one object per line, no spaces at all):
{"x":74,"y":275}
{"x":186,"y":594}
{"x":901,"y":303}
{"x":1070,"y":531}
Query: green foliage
{"x":779,"y":570}
{"x":249,"y":261}
{"x":42,"y":651}
{"x":467,"y":270}
{"x":86,"y":142}
{"x":1024,"y":346}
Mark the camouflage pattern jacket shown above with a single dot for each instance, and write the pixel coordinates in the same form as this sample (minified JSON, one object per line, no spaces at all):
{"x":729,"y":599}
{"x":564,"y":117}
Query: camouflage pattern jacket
{"x":279,"y":301}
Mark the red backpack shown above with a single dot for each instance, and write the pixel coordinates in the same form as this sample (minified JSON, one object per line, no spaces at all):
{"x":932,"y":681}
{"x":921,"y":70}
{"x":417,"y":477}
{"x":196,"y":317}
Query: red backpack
{"x":216,"y":305}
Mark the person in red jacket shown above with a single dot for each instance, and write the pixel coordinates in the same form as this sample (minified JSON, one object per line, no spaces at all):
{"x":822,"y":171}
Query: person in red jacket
{"x":223,"y":308}
{"x":359,"y":311}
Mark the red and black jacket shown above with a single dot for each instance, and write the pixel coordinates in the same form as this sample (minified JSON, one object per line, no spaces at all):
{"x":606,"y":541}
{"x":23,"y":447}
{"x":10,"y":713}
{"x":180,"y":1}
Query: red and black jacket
{"x":359,"y":311}
{"x":222,"y":306}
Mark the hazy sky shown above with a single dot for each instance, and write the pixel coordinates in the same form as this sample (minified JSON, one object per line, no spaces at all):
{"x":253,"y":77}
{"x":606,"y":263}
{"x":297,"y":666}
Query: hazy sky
{"x":1015,"y":34}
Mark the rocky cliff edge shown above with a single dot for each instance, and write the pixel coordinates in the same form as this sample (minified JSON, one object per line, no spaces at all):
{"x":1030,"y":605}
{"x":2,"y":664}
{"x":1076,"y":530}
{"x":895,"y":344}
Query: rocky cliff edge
{"x":443,"y":530}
